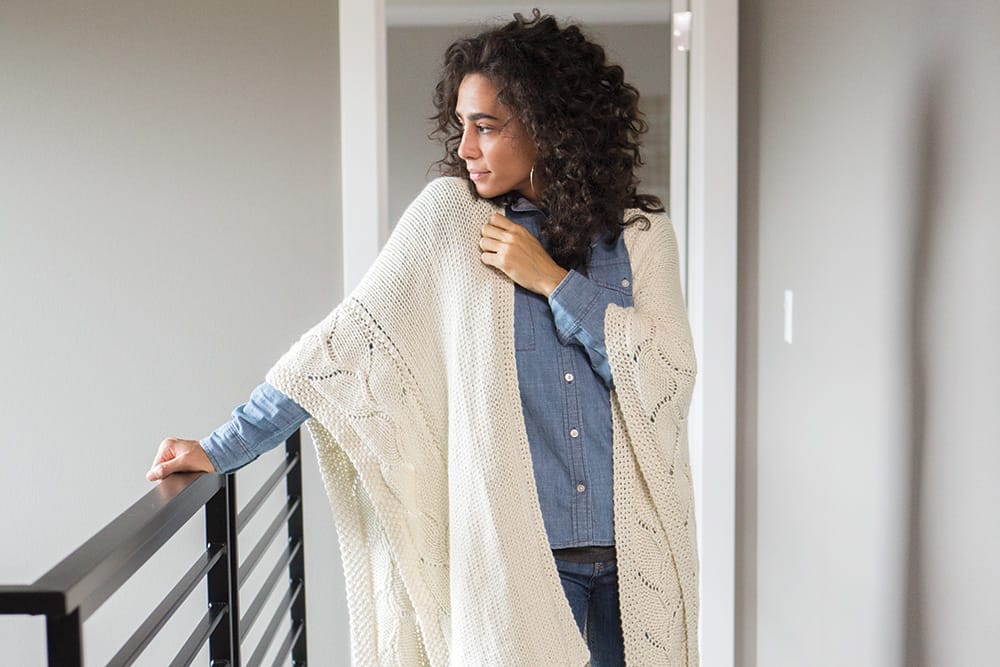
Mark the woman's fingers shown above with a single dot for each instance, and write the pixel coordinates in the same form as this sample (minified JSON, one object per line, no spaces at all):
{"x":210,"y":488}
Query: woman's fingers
{"x":490,"y":245}
{"x":497,"y":233}
{"x":504,"y":229}
{"x":176,"y":455}
{"x":513,"y":250}
{"x":502,"y":222}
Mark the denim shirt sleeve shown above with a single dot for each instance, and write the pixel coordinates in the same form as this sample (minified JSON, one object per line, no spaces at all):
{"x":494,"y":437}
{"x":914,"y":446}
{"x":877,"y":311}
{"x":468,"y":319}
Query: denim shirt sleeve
{"x":578,"y":306}
{"x":257,"y":426}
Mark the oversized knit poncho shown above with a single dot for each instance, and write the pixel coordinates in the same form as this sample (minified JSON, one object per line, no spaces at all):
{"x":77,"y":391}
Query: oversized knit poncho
{"x":413,"y":389}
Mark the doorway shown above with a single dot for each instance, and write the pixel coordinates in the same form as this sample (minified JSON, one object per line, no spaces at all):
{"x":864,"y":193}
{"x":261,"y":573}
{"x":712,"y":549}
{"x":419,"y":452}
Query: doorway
{"x":700,"y":182}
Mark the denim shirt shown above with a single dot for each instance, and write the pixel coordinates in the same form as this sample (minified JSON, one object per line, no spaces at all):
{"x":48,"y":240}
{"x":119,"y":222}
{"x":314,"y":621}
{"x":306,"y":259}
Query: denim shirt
{"x":564,"y":381}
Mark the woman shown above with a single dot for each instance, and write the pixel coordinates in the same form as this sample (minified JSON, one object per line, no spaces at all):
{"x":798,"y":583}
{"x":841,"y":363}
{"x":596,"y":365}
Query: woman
{"x":505,"y":436}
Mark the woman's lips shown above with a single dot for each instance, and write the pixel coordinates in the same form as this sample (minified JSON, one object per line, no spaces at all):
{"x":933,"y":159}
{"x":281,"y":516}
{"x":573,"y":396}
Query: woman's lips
{"x":478,"y":175}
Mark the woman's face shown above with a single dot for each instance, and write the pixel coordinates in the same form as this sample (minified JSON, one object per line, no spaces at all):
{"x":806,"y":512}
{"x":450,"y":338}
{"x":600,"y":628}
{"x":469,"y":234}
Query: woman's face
{"x":495,"y":145}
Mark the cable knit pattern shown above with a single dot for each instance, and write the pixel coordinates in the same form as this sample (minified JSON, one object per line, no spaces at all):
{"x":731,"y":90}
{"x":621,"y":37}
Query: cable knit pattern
{"x":413,"y":389}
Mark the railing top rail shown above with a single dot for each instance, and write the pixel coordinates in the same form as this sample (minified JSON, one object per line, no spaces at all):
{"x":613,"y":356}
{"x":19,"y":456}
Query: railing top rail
{"x":91,"y":574}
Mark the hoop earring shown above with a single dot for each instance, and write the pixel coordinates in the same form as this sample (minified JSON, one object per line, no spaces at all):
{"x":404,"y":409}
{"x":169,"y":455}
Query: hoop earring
{"x":531,"y":181}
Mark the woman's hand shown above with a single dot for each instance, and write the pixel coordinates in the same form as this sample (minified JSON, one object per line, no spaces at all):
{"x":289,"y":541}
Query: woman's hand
{"x":176,"y":455}
{"x":511,"y":248}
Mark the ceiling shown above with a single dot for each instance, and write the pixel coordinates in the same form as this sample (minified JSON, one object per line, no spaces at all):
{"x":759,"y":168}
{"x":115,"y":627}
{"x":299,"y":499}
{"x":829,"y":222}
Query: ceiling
{"x":462,"y":12}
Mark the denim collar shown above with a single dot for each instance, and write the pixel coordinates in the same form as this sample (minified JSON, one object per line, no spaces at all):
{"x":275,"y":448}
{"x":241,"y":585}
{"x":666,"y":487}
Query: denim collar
{"x":522,"y":205}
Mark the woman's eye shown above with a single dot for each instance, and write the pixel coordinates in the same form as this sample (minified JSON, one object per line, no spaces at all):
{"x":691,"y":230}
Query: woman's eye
{"x":483,"y":129}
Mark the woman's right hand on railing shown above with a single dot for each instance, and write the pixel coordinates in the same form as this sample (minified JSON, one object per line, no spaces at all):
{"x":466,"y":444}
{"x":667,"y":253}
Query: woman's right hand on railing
{"x":175,"y":455}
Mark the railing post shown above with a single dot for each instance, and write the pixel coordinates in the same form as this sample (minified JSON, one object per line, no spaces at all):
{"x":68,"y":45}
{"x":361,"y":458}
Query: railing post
{"x":232,"y":544}
{"x":223,"y":584}
{"x":65,"y":640}
{"x":296,"y":567}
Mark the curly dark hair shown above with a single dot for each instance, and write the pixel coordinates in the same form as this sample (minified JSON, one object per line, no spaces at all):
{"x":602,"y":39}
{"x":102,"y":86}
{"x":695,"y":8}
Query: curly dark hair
{"x":581,"y":113}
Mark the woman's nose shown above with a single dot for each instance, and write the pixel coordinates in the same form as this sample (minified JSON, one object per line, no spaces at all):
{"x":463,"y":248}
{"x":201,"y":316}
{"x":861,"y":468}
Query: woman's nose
{"x":468,"y":148}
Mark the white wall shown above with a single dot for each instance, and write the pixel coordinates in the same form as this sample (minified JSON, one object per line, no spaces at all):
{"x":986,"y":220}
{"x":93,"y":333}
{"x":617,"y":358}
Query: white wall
{"x":868,"y":175}
{"x":169,"y":198}
{"x":414,"y":60}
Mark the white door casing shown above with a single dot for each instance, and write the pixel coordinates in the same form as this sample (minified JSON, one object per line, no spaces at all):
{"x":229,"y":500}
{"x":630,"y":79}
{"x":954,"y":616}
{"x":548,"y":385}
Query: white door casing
{"x":703,"y":208}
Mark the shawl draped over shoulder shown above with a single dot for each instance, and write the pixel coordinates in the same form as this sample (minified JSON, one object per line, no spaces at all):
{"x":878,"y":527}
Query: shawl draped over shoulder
{"x":412,"y":386}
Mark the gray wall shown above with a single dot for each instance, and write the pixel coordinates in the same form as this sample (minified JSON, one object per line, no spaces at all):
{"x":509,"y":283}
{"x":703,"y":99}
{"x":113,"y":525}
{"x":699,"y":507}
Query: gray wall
{"x":868,"y":172}
{"x":414,"y":58}
{"x":169,"y":203}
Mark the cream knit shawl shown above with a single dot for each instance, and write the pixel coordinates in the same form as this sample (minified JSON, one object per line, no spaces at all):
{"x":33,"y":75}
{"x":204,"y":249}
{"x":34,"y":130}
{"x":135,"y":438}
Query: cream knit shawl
{"x":412,"y":385}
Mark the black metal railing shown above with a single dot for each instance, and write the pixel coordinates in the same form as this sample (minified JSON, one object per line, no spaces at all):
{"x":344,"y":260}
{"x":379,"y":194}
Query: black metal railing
{"x":75,"y":588}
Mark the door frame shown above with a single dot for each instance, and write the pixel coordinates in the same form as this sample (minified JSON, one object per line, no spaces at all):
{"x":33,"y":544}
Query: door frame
{"x":707,"y":229}
{"x":711,"y":272}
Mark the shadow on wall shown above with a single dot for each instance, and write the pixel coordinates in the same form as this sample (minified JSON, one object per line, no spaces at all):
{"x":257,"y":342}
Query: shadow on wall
{"x":920,"y":276}
{"x":953,"y":544}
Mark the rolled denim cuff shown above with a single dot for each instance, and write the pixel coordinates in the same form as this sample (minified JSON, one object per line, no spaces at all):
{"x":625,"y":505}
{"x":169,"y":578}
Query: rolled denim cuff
{"x":225,"y":449}
{"x":578,"y":305}
{"x":259,"y":425}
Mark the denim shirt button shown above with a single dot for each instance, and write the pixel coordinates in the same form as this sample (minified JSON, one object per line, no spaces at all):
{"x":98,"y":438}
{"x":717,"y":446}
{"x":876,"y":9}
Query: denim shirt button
{"x":568,"y":377}
{"x":573,"y":433}
{"x":580,"y":488}
{"x":625,"y":282}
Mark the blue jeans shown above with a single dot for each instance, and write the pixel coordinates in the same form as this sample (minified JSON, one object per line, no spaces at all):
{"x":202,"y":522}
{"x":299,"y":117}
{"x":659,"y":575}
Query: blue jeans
{"x":592,"y":591}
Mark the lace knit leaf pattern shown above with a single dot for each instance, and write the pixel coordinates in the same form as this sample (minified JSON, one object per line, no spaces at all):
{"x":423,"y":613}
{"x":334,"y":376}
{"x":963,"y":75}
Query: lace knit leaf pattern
{"x":653,"y":364}
{"x":412,"y":385}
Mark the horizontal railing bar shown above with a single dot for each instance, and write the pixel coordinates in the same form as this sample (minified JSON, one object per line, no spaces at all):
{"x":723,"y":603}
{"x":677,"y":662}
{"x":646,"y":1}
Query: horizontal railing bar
{"x":279,"y":613}
{"x":267,"y":587}
{"x":145,"y":633}
{"x":199,"y":636}
{"x":83,"y":581}
{"x":247,"y":567}
{"x":250,"y":509}
{"x":92,"y":573}
{"x":31,"y":599}
{"x":286,"y":645}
